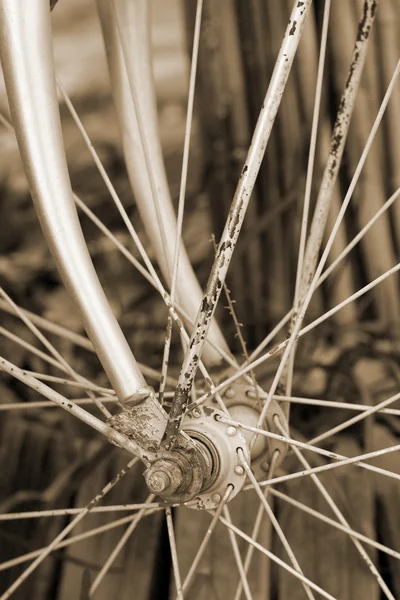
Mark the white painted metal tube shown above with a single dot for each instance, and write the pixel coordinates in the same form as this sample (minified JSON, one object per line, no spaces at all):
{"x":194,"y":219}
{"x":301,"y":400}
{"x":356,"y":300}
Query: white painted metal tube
{"x":126,"y":32}
{"x":27,"y":58}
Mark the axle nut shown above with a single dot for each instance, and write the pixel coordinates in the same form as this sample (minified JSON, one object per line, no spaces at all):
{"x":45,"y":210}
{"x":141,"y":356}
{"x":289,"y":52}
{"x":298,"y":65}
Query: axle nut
{"x":164,"y":476}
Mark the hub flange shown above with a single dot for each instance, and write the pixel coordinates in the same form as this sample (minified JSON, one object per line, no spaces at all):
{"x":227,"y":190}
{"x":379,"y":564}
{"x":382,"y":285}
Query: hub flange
{"x":244,"y":402}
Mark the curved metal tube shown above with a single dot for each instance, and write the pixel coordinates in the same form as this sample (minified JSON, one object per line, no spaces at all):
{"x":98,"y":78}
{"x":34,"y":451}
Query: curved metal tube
{"x":131,"y":74}
{"x":27,"y":57}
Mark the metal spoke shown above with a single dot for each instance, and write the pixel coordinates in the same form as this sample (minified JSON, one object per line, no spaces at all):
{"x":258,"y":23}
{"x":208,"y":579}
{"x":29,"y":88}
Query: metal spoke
{"x":45,"y":552}
{"x":17,"y":406}
{"x":356,"y":460}
{"x":205,"y":540}
{"x":76,"y":338}
{"x":338,"y":140}
{"x":274,"y":522}
{"x":238,"y":558}
{"x":72,"y":540}
{"x":257,"y":523}
{"x":309,"y":179}
{"x":277,"y":560}
{"x":108,"y":183}
{"x":344,"y":522}
{"x":356,"y":419}
{"x":119,"y":546}
{"x":111,"y":434}
{"x":85,"y":385}
{"x":57,"y":512}
{"x":335,"y":404}
{"x":182,"y":188}
{"x":385,"y":207}
{"x":39,"y":335}
{"x":335,"y":524}
{"x":174,"y":554}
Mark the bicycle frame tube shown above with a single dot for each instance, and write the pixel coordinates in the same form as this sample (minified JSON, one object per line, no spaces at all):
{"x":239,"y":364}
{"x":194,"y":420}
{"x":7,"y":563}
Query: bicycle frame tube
{"x":27,"y":57}
{"x":126,"y":32}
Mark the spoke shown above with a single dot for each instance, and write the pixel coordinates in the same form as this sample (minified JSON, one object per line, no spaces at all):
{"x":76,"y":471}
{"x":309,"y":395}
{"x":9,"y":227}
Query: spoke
{"x":174,"y":554}
{"x":269,"y":338}
{"x":46,"y":404}
{"x":86,"y":385}
{"x":108,"y":183}
{"x":235,"y":219}
{"x":18,"y":340}
{"x":350,"y":299}
{"x":335,"y":404}
{"x":344,"y":522}
{"x":124,"y":539}
{"x":49,"y":326}
{"x":39,"y":514}
{"x":45,"y":357}
{"x":76,"y":338}
{"x":111,"y":434}
{"x":45,"y":552}
{"x":356,"y":419}
{"x":39,"y":335}
{"x":72,"y":540}
{"x":257,"y":523}
{"x":284,"y":438}
{"x":238,"y":558}
{"x":335,"y":524}
{"x":277,"y":560}
{"x":182,"y":188}
{"x":205,"y":540}
{"x":4,"y":121}
{"x":356,"y":460}
{"x":274,"y":522}
{"x":309,"y":178}
{"x":359,"y":236}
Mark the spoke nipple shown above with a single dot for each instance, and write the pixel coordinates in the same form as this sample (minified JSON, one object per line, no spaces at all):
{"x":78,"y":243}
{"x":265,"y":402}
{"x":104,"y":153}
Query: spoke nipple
{"x":231,"y":431}
{"x":196,"y":412}
{"x":239,"y":470}
{"x":216,"y":498}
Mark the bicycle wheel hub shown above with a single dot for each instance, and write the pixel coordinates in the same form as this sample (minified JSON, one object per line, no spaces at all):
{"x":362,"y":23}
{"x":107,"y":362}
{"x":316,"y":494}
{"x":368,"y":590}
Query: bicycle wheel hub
{"x":211,"y":465}
{"x":244,"y":402}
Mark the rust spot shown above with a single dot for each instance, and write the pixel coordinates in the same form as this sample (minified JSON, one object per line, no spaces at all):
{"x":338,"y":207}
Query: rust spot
{"x":335,"y":143}
{"x":293,"y":28}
